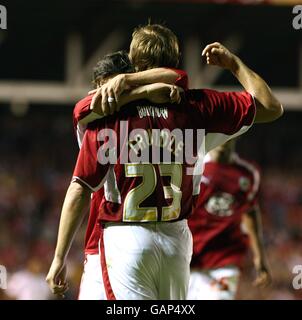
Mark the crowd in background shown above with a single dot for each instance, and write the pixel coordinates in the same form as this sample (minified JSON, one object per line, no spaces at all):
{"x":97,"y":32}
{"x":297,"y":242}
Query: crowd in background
{"x":38,"y":152}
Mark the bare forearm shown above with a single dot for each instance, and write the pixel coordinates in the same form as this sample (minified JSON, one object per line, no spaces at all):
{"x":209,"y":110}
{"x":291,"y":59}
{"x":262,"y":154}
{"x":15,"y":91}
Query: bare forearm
{"x":268,"y":107}
{"x":155,"y":92}
{"x":74,"y":207}
{"x":252,"y":221}
{"x":253,"y":224}
{"x":151,"y":76}
{"x":137,"y":93}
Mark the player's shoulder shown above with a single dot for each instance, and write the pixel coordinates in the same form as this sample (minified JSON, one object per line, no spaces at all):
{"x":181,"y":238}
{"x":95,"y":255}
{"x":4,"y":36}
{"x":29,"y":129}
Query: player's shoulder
{"x":214,"y":95}
{"x":248,"y":164}
{"x":85,"y":101}
{"x":207,"y":158}
{"x":196,"y":99}
{"x":82,"y":105}
{"x":82,"y":108}
{"x":203,"y":100}
{"x":197,"y":94}
{"x":210,"y":166}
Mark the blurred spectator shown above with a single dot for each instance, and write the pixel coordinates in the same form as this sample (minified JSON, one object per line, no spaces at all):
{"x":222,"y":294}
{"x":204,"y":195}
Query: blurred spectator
{"x":29,"y":283}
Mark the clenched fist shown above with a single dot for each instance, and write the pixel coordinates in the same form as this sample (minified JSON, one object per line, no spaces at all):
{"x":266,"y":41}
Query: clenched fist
{"x":218,"y":55}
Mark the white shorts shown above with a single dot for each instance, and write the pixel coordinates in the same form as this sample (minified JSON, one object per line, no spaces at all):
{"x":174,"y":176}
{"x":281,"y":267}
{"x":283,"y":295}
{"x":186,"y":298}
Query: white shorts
{"x":92,"y":287}
{"x":214,"y":284}
{"x":148,"y":261}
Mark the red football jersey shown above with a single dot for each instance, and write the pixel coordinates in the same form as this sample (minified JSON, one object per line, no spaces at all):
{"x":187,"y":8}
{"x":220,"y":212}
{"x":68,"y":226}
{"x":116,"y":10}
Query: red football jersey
{"x":227,"y":192}
{"x":82,"y":112}
{"x":82,"y":115}
{"x":182,"y":80}
{"x":92,"y":236}
{"x":136,"y":192}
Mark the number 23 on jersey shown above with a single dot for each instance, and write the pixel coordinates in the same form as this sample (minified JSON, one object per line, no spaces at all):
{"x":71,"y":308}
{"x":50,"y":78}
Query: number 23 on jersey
{"x":133,"y":212}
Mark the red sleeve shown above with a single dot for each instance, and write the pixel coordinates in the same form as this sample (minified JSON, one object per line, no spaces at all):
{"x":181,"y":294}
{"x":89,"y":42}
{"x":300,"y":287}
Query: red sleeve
{"x":81,"y":110}
{"x":224,"y":112}
{"x":182,"y":80}
{"x":88,"y":170}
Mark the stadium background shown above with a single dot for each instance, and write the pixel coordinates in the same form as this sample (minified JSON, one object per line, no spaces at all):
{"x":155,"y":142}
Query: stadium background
{"x":46,"y":57}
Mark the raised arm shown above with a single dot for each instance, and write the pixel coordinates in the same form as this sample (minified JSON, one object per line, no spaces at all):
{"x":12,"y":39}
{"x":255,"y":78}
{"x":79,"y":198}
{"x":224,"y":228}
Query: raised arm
{"x":74,"y":208}
{"x":268,"y":107}
{"x":253,"y":224}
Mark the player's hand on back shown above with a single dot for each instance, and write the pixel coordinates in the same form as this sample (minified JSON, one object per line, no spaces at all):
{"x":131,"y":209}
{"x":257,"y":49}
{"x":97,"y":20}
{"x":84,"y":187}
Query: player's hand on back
{"x":106,"y":98}
{"x":175,"y":94}
{"x":100,"y":103}
{"x":218,"y":55}
{"x":111,"y":91}
{"x":163,"y":93}
{"x":56,"y":278}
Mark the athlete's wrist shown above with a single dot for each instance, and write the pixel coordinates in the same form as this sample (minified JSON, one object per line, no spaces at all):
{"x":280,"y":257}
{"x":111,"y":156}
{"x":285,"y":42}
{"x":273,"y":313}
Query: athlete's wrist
{"x":60,"y":257}
{"x":128,"y":79}
{"x":235,"y":64}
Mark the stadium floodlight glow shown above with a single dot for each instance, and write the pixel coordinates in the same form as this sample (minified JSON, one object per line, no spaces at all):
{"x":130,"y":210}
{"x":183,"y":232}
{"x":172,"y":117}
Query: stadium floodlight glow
{"x":3,"y":17}
{"x":3,"y":278}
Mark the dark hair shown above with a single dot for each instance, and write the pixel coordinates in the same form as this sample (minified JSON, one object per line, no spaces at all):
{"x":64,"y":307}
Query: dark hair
{"x":112,"y":63}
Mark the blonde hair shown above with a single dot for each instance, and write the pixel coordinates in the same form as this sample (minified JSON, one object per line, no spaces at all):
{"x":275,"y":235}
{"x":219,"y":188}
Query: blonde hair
{"x":153,"y":46}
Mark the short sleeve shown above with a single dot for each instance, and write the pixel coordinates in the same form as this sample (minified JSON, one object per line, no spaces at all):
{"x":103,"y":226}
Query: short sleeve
{"x":82,"y":110}
{"x":225,"y":115}
{"x":88,"y":170}
{"x":82,"y":115}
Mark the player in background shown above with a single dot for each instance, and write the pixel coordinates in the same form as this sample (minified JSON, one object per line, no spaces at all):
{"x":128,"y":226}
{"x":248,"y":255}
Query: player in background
{"x":224,"y":223}
{"x":223,"y":116}
{"x":112,"y":64}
